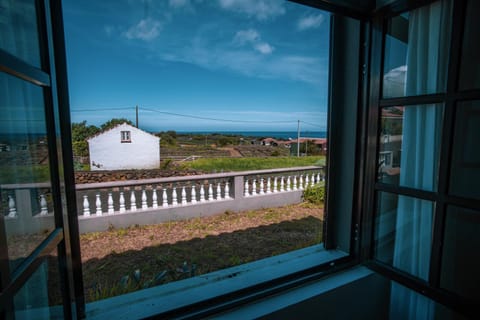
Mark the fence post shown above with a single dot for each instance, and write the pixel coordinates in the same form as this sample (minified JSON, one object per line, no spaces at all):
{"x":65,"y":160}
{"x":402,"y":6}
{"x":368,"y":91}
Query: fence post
{"x":238,"y":187}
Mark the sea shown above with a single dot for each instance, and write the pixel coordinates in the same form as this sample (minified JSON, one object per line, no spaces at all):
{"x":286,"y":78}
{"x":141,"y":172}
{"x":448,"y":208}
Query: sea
{"x":285,"y":135}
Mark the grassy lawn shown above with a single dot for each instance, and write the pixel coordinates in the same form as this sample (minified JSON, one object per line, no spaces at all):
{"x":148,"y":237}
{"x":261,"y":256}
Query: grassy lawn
{"x":243,"y":164}
{"x":125,"y":260}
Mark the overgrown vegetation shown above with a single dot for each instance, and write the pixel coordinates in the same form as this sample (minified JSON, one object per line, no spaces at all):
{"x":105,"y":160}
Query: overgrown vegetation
{"x":243,"y":164}
{"x":315,"y":194}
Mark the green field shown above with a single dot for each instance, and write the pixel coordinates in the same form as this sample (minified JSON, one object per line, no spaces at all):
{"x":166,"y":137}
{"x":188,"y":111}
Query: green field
{"x":244,"y":164}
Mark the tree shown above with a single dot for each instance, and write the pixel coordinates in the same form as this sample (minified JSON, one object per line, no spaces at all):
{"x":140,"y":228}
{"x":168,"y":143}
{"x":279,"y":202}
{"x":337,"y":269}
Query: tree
{"x":80,"y":133}
{"x":114,"y":122}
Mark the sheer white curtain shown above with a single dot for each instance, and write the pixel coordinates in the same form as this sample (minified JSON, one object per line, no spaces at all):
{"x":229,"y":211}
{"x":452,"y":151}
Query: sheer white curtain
{"x":428,"y":40}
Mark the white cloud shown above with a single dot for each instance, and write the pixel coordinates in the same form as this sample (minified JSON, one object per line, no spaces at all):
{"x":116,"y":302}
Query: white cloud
{"x":264,"y":48}
{"x":310,"y":22}
{"x":147,"y":29}
{"x":246,"y":36}
{"x":260,"y":9}
{"x":252,"y":37}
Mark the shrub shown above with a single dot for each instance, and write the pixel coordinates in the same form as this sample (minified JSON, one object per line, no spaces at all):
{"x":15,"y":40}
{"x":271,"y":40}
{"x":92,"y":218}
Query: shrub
{"x":315,"y":194}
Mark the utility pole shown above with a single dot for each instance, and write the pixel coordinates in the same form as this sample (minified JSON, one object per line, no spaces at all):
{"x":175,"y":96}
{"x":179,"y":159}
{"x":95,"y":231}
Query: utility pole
{"x":136,"y":116}
{"x":298,"y":139}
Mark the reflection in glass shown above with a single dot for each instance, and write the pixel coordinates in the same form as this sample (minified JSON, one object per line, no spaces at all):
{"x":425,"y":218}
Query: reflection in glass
{"x":25,"y":193}
{"x":40,"y":297}
{"x":409,"y":146}
{"x":460,"y":262}
{"x":465,"y":172}
{"x":469,"y":66}
{"x":19,"y":30}
{"x":416,"y":51}
{"x":403,"y":233}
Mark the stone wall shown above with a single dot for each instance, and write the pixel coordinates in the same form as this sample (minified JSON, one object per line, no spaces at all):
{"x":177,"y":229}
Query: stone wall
{"x":122,"y":175}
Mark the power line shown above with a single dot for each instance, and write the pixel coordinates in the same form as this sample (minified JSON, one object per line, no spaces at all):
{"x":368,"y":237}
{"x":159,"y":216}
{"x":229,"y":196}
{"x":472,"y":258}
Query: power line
{"x":311,"y":124}
{"x":215,"y":119}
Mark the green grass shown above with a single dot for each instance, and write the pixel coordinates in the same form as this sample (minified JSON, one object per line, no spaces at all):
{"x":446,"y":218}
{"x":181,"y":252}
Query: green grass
{"x":24,"y":174}
{"x":243,"y":164}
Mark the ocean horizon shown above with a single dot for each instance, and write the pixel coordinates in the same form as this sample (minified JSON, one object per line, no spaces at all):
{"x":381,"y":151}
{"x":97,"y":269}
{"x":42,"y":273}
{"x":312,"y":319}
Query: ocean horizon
{"x":266,"y":134}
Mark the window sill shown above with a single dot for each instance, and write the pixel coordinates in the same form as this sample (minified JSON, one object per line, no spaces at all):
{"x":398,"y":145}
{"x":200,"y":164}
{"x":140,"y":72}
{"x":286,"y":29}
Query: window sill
{"x":168,"y":297}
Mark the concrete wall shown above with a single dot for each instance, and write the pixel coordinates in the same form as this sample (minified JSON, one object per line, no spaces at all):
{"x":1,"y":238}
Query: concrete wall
{"x":108,"y":152}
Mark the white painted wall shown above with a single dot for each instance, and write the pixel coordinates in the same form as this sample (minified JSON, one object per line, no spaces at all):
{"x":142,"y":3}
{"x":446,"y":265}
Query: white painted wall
{"x":107,"y":152}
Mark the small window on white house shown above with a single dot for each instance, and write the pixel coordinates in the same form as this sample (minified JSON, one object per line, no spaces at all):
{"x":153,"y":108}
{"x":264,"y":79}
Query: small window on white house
{"x":125,"y":136}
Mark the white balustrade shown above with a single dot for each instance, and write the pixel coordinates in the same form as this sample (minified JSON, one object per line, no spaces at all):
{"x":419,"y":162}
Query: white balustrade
{"x":275,"y":184}
{"x":122,"y":202}
{"x":164,"y":198}
{"x":254,"y":187}
{"x":193,"y":194}
{"x":288,"y":183}
{"x":307,"y":181}
{"x":154,"y":198}
{"x":282,"y":186}
{"x":202,"y":193}
{"x":133,"y":201}
{"x":12,"y":209}
{"x":110,"y":209}
{"x":174,"y":196}
{"x":43,"y":205}
{"x":312,"y":181}
{"x":262,"y":191}
{"x":219,"y":191}
{"x":295,"y":183}
{"x":144,"y":200}
{"x":184,"y":195}
{"x":227,"y":190}
{"x":210,"y":192}
{"x":86,"y":206}
{"x":318,"y":177}
{"x":300,"y":182}
{"x":98,"y":205}
{"x":269,"y":186}
{"x":245,"y":189}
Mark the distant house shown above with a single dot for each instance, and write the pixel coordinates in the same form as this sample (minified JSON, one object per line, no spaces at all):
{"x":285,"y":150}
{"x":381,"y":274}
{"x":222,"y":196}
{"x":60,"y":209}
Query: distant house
{"x":124,"y":147}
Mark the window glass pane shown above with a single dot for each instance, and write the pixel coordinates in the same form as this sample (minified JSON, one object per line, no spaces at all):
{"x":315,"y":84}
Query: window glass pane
{"x":465,"y":172}
{"x":40,"y":297}
{"x":470,"y":67}
{"x":461,"y":245}
{"x":19,"y":30}
{"x":409,"y":146}
{"x":416,"y":51}
{"x":403,"y":233}
{"x":254,"y":75}
{"x":25,"y":193}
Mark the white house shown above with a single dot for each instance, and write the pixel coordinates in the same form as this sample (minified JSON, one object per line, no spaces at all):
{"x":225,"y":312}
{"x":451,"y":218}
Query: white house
{"x":124,"y":147}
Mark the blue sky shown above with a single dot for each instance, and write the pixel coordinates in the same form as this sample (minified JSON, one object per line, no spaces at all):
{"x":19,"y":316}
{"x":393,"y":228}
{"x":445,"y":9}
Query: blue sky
{"x":263,"y":64}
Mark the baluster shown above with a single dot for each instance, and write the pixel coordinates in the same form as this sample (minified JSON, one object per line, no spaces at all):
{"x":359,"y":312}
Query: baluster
{"x":300,"y":183}
{"x":133,"y":201}
{"x":227,"y":190}
{"x":219,"y":191}
{"x":282,"y":187}
{"x":164,"y":198}
{"x":210,"y":192}
{"x":275,"y":184}
{"x":307,"y":181}
{"x":144,"y":199}
{"x":194,"y":194}
{"x":86,"y":206}
{"x":98,"y":205}
{"x":202,"y":193}
{"x":122,"y":202}
{"x":154,"y":198}
{"x":12,"y":210}
{"x":245,"y":191}
{"x":295,"y":182}
{"x":174,"y":196}
{"x":312,"y":181}
{"x":184,"y":195}
{"x":43,"y":205}
{"x":110,"y":210}
{"x":269,"y":186}
{"x":288,"y":183}
{"x":254,"y":187}
{"x":262,"y":191}
{"x":318,"y":177}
